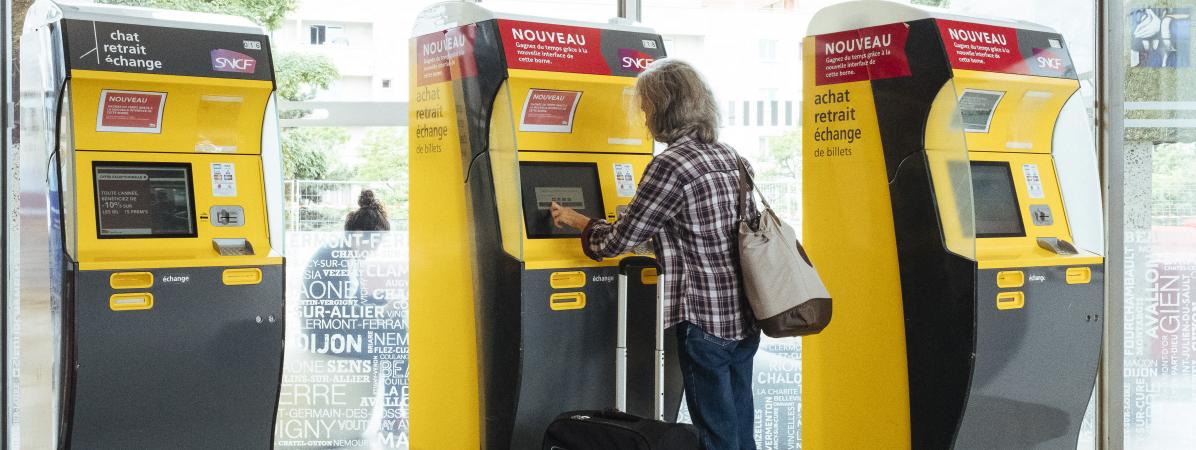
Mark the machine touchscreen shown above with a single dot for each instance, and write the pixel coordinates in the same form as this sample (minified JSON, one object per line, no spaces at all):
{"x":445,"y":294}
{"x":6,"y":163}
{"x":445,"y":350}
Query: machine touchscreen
{"x":997,"y":211}
{"x":144,"y":200}
{"x":574,"y":185}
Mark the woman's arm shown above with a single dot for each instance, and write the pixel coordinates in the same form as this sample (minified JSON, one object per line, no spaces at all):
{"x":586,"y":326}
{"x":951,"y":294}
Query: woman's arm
{"x":657,"y":200}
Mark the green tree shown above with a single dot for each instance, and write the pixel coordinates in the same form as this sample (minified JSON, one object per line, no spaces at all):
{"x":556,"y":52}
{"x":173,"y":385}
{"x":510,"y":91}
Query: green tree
{"x":384,"y":151}
{"x":784,"y":152}
{"x":384,"y":156}
{"x":299,"y":76}
{"x":267,"y":13}
{"x":306,"y":151}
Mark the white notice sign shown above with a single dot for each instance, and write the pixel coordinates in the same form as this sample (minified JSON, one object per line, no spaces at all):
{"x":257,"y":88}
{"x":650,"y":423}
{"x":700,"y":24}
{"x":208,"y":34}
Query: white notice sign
{"x":224,"y":180}
{"x":624,"y":180}
{"x":1033,"y":181}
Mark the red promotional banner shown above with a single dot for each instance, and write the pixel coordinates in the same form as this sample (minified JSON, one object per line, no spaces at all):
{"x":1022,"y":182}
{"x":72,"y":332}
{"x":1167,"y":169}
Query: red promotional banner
{"x":551,"y":47}
{"x":989,"y":48}
{"x":445,"y":55}
{"x":868,"y":53}
{"x":549,"y":111}
{"x":130,"y":111}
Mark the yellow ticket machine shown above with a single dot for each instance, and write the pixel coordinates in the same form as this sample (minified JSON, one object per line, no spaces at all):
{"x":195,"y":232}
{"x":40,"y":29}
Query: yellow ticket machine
{"x":156,"y":138}
{"x":952,"y":204}
{"x":511,"y":324}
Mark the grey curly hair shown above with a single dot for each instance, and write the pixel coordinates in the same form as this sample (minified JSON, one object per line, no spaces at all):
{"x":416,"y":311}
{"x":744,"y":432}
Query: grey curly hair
{"x":677,"y":102}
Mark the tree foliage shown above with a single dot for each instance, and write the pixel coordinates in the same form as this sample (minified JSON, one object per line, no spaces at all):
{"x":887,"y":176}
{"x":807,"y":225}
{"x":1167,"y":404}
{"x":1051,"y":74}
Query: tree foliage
{"x":299,"y":76}
{"x":267,"y":13}
{"x":384,"y":154}
{"x":306,"y":152}
{"x":784,"y":152}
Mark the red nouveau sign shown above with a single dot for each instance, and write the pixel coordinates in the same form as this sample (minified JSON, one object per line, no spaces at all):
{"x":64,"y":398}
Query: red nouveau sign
{"x":130,"y":111}
{"x":989,"y":48}
{"x":552,"y":47}
{"x":871,"y":53}
{"x":445,"y":55}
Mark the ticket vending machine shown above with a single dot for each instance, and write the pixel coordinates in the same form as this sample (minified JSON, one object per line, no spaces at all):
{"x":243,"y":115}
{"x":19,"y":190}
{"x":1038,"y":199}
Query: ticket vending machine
{"x":511,"y":324}
{"x":952,"y":205}
{"x":150,"y":149}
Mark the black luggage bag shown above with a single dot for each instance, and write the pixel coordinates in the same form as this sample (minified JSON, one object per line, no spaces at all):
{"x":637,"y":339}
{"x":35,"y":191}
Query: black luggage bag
{"x":607,"y":430}
{"x":614,"y":429}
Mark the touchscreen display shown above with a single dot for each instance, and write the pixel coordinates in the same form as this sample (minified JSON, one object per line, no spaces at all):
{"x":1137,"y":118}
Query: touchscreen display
{"x":574,"y":185}
{"x":144,"y":200}
{"x":997,"y":211}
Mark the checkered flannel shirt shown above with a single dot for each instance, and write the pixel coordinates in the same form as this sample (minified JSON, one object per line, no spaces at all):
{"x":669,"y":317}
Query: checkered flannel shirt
{"x":688,"y":201}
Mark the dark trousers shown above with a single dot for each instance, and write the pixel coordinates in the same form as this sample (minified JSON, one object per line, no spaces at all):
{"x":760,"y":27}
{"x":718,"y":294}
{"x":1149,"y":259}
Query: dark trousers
{"x":718,"y":386}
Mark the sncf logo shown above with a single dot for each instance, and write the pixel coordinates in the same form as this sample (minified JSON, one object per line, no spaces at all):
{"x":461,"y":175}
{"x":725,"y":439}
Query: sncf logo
{"x":1048,"y":60}
{"x":230,"y":61}
{"x":634,"y":60}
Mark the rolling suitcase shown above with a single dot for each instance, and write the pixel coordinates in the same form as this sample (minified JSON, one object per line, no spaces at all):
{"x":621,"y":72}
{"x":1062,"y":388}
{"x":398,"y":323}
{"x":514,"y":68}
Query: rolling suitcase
{"x":615,"y":429}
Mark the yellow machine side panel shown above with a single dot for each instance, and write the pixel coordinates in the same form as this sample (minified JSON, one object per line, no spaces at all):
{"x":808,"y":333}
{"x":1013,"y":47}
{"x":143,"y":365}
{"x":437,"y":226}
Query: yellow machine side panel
{"x":566,"y":252}
{"x":854,"y":388}
{"x":443,"y":378}
{"x":504,"y":165}
{"x":607,"y":118}
{"x":950,"y":171}
{"x":210,"y":115}
{"x":1009,"y":252}
{"x":1027,"y":100}
{"x":146,"y":253}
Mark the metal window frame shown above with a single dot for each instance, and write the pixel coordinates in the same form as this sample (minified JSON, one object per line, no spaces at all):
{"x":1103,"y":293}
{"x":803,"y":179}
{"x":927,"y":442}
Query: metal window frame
{"x":632,"y":10}
{"x":6,"y":117}
{"x":1111,"y":129}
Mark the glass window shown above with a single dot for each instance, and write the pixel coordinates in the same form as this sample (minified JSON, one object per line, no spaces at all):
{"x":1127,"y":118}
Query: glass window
{"x":1157,"y":157}
{"x":768,"y":50}
{"x":327,"y":35}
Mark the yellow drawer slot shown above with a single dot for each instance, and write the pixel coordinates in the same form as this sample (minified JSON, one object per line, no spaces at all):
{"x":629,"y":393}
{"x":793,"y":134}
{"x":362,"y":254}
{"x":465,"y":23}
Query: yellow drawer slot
{"x":131,"y":280}
{"x":1011,"y":300}
{"x":567,"y":301}
{"x":243,"y":276}
{"x":1079,"y":275}
{"x":131,"y":301}
{"x":567,"y":280}
{"x":1011,"y":279}
{"x":649,"y":276}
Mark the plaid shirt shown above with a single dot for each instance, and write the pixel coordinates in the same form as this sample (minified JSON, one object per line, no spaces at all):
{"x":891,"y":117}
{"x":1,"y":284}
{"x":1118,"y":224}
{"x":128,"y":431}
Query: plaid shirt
{"x":688,"y":200}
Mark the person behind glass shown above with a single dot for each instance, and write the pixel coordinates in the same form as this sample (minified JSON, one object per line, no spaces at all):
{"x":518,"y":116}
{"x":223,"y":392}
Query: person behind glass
{"x":687,"y":200}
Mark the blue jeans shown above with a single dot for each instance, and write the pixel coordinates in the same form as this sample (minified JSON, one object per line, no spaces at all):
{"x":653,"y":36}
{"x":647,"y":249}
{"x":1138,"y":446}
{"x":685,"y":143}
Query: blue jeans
{"x":718,"y":386}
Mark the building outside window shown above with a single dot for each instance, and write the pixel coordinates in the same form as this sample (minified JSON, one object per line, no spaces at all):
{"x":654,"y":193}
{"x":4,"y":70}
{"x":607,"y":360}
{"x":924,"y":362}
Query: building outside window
{"x":327,"y":35}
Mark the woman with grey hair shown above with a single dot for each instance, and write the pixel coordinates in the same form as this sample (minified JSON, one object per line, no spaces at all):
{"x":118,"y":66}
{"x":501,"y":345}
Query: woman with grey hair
{"x":687,"y":200}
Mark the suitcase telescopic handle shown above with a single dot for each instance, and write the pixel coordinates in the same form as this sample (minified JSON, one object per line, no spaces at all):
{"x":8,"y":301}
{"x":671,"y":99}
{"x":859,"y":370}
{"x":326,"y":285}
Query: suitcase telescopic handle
{"x":626,"y":267}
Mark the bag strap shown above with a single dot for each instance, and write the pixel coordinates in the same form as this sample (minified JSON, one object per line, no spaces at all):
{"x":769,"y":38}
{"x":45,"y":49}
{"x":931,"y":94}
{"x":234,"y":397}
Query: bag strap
{"x":747,"y":186}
